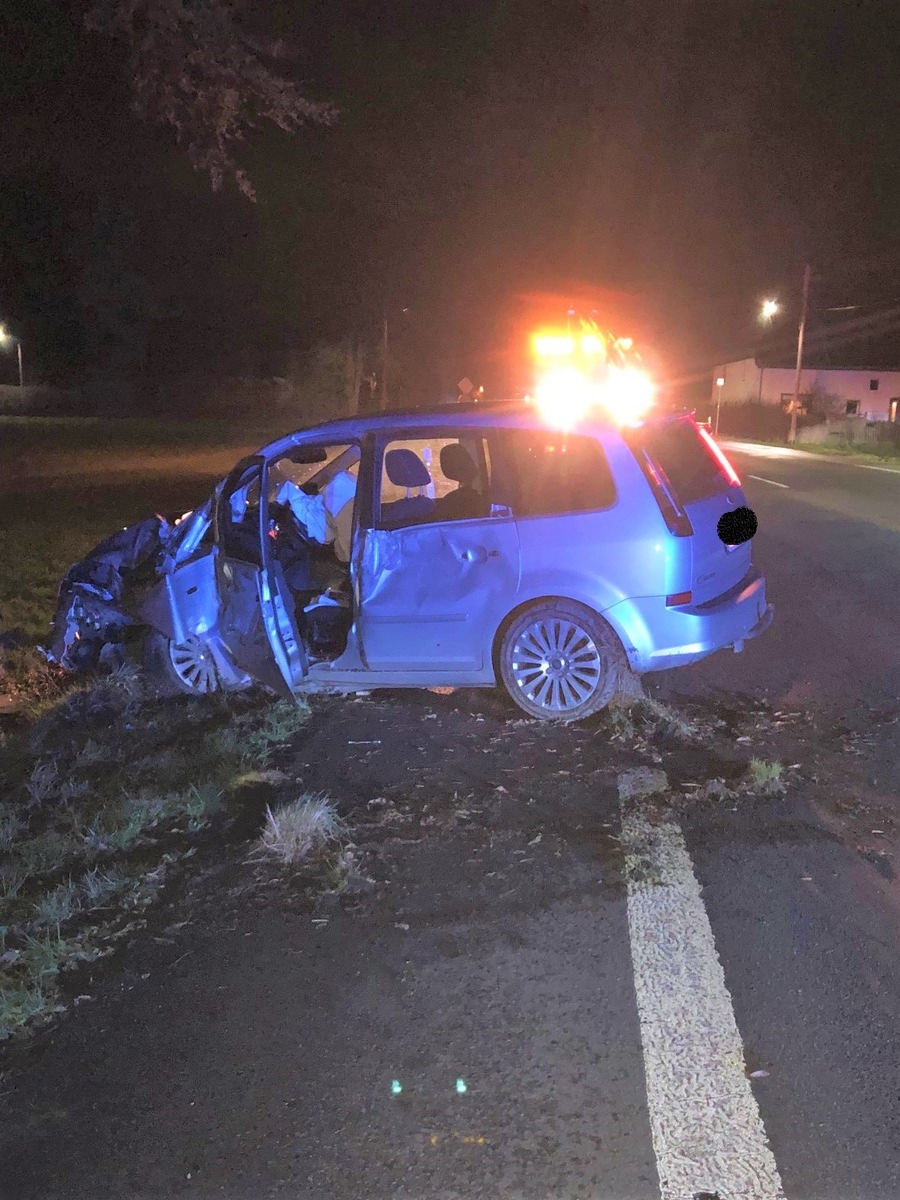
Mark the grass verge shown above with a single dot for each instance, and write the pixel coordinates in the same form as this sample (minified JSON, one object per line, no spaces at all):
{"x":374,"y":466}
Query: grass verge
{"x":133,"y":467}
{"x":879,"y":451}
{"x":107,"y":790}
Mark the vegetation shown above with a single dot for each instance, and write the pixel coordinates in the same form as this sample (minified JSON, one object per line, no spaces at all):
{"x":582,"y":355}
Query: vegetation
{"x":296,"y":831}
{"x":195,"y":67}
{"x":765,"y":777}
{"x":879,"y":451}
{"x":53,"y":518}
{"x":107,"y":790}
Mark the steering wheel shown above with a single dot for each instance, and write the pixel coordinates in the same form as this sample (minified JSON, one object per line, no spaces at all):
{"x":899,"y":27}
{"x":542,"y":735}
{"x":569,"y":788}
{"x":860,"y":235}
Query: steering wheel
{"x":283,"y":514}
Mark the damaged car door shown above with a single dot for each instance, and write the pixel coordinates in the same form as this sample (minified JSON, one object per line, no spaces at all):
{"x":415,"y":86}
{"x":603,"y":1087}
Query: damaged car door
{"x":256,"y":608}
{"x":440,"y":565}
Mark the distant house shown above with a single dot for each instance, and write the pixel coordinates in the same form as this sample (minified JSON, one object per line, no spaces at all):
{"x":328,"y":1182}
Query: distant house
{"x":870,"y":392}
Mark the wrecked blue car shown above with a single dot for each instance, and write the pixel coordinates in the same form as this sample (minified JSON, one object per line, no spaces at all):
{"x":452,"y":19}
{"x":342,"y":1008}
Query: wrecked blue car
{"x":462,"y":547}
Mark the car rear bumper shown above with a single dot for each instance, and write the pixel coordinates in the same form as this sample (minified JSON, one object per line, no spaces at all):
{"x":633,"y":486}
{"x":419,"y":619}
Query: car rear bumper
{"x":657,"y":637}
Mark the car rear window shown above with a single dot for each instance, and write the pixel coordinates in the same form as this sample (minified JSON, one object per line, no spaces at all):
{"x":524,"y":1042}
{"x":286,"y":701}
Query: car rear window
{"x":680,"y":451}
{"x":555,"y":472}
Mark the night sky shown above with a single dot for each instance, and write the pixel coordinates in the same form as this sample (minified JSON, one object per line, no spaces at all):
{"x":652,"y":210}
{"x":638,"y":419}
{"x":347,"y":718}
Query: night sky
{"x":670,"y":163}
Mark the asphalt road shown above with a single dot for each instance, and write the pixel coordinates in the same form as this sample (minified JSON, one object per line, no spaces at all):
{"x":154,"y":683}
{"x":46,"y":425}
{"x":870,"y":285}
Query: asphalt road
{"x":829,"y":542}
{"x":554,"y":989}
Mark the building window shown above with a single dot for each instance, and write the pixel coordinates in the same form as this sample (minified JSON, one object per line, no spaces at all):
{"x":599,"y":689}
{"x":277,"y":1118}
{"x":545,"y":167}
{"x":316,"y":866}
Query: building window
{"x":873,"y":385}
{"x":852,"y":408}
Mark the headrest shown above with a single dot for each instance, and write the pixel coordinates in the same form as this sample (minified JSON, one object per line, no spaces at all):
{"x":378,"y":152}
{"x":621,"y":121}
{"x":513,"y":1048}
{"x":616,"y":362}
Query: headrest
{"x":405,"y":469}
{"x":456,"y":463}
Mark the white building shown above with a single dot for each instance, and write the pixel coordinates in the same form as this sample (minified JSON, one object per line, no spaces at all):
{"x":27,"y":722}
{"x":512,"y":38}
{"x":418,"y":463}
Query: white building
{"x":873,"y":393}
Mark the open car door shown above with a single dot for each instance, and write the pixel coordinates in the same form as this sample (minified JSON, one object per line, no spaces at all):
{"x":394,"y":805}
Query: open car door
{"x":256,"y":608}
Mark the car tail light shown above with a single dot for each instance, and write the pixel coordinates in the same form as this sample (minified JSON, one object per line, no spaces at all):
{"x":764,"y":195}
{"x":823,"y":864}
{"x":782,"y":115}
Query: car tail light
{"x":719,"y":455}
{"x":676,"y":519}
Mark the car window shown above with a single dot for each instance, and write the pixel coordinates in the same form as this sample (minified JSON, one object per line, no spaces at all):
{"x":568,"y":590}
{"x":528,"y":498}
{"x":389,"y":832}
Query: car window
{"x":678,"y":448}
{"x":430,"y":479}
{"x":341,"y":457}
{"x":549,"y":473}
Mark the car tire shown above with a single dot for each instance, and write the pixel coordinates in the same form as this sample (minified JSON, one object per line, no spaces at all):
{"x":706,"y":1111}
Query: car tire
{"x":180,"y":668}
{"x":560,"y":661}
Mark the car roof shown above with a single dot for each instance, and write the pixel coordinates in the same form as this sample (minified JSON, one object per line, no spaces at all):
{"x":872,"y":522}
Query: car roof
{"x":510,"y":414}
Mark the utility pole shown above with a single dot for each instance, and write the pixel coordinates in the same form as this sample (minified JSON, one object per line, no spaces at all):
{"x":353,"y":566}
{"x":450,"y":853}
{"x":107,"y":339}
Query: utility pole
{"x":19,"y":356}
{"x":792,"y":436}
{"x":384,"y":364}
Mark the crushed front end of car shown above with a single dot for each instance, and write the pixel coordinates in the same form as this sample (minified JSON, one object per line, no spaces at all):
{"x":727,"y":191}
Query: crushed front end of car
{"x":93,"y":610}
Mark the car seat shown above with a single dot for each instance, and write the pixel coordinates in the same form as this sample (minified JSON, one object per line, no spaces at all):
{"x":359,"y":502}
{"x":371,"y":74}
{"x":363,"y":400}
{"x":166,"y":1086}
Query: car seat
{"x":466,"y":501}
{"x":405,"y":469}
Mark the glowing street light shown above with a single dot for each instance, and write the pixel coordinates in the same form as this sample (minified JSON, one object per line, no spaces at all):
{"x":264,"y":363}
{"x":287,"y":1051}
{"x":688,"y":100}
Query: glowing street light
{"x":768,"y":310}
{"x":5,"y":339}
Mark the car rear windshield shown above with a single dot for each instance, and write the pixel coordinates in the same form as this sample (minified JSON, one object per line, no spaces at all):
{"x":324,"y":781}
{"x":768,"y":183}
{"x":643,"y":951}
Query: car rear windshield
{"x":678,"y":448}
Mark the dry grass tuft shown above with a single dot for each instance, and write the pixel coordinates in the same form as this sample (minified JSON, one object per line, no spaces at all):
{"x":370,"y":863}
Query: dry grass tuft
{"x":296,"y":831}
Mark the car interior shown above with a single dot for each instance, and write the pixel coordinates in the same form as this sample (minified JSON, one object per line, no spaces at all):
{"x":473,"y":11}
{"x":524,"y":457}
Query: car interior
{"x":414,"y":493}
{"x":315,"y":574}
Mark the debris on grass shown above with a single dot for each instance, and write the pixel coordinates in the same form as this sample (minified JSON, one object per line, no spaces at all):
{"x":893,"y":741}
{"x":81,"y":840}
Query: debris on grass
{"x":665,"y":719}
{"x":634,"y":713}
{"x":715,"y":789}
{"x":641,"y":782}
{"x":296,"y":831}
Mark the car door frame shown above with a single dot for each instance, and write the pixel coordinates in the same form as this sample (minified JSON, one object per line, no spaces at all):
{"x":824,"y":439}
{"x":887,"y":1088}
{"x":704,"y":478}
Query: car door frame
{"x":285,"y":666}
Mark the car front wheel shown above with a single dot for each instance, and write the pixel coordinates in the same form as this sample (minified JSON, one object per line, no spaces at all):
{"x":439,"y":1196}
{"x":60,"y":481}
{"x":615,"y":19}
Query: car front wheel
{"x":560,"y":662}
{"x":187,"y":667}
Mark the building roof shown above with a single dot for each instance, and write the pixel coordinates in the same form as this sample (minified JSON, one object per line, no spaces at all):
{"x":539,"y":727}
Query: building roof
{"x":818,"y":364}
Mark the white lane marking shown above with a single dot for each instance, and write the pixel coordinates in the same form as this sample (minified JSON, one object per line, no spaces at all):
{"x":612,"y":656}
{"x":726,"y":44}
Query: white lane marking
{"x":708,"y":1135}
{"x":773,"y":482}
{"x":867,"y":467}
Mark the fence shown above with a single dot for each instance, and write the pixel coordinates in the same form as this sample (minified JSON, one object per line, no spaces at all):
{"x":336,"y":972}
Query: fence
{"x":770,"y":423}
{"x":852,"y":431}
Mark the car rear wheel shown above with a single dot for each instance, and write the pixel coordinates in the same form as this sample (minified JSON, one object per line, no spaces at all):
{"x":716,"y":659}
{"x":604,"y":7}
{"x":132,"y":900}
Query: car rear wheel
{"x":560,"y":662}
{"x":187,"y":667}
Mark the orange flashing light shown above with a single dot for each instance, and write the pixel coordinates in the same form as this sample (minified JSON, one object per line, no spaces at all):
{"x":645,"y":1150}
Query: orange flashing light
{"x":554,"y":345}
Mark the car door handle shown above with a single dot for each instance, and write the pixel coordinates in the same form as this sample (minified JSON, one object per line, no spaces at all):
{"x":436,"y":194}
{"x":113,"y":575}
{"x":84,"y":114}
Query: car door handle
{"x":478,"y":554}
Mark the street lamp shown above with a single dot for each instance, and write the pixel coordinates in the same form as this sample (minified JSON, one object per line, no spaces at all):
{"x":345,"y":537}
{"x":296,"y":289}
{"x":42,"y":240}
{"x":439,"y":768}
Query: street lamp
{"x":720,"y":383}
{"x":5,"y":339}
{"x":768,"y":310}
{"x":792,"y":435}
{"x":384,"y":358}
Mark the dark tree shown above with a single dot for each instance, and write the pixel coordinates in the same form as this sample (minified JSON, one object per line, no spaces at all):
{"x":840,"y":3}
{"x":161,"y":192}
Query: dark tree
{"x":115,"y":299}
{"x":193,"y":66}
